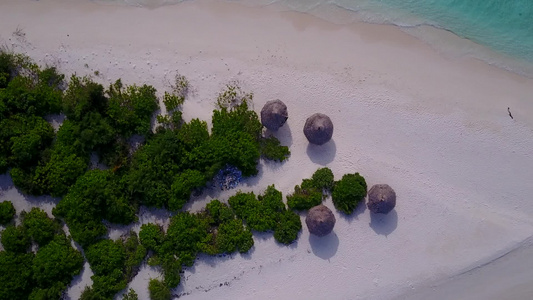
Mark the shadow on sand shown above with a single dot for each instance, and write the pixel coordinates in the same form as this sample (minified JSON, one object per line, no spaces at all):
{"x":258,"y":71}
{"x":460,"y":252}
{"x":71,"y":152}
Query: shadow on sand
{"x":384,"y":224}
{"x":324,"y":247}
{"x":323,"y":154}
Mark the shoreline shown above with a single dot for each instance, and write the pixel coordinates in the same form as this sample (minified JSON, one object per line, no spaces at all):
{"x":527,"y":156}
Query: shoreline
{"x":433,"y":127}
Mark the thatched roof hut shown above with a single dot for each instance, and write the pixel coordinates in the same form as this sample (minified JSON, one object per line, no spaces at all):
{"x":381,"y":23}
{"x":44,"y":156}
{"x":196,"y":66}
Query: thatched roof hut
{"x":381,"y":199}
{"x":318,"y":129}
{"x":274,"y":114}
{"x":320,"y":220}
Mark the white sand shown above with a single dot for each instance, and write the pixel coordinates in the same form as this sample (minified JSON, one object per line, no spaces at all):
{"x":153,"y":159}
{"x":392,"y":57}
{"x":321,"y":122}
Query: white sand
{"x":436,"y":129}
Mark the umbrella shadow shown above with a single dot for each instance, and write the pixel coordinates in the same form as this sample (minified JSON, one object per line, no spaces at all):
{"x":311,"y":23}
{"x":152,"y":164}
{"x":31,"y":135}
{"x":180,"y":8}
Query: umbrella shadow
{"x":324,"y":247}
{"x":322,"y":154}
{"x":384,"y":224}
{"x":360,"y":209}
{"x":283,"y":134}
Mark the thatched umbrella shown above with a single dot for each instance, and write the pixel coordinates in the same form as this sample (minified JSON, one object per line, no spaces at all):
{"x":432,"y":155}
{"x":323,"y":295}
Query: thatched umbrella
{"x":318,"y":129}
{"x":381,"y":199}
{"x":274,"y":114}
{"x":320,"y":220}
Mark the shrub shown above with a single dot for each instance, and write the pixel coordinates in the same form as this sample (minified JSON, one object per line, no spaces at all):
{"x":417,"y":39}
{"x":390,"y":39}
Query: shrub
{"x":288,"y":227}
{"x":323,"y":179}
{"x":131,"y":295}
{"x":114,"y":263}
{"x":7,"y":212}
{"x":185,"y":236}
{"x":16,"y":239}
{"x":184,"y":184}
{"x":271,"y":149}
{"x":57,"y":262}
{"x":158,"y":290}
{"x":151,"y":236}
{"x":348,"y":192}
{"x":16,"y":277}
{"x":95,"y":195}
{"x":131,"y":108}
{"x":39,"y":226}
{"x":304,"y":197}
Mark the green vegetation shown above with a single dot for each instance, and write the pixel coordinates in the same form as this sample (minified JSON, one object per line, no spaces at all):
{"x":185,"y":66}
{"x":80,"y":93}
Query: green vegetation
{"x":158,"y":290}
{"x":349,"y":192}
{"x":272,"y":149}
{"x":16,"y":239}
{"x":131,"y":295}
{"x":7,"y":212}
{"x":54,"y":266}
{"x":45,"y":274}
{"x":312,"y":191}
{"x":39,"y":226}
{"x":16,"y":276}
{"x":267,"y":212}
{"x":95,"y":196}
{"x":114,"y":263}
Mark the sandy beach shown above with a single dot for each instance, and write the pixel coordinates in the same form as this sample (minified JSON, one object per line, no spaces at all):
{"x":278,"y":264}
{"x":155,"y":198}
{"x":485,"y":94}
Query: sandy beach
{"x":435,"y":127}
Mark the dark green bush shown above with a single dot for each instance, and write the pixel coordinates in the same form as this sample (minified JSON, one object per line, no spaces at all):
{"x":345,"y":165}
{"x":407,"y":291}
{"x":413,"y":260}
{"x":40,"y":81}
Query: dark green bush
{"x":95,"y":196}
{"x":56,"y":263}
{"x":312,"y":191}
{"x":271,"y":149}
{"x":106,"y":256}
{"x":288,"y":227}
{"x":349,"y":192}
{"x":323,"y":179}
{"x":16,"y":239}
{"x":158,"y":290}
{"x":131,"y":295}
{"x":267,"y":213}
{"x":16,"y":276}
{"x":114,"y":263}
{"x":131,"y":108}
{"x":185,"y":236}
{"x":39,"y":226}
{"x":233,"y":236}
{"x":7,"y":212}
{"x":184,"y":184}
{"x":151,"y":236}
{"x":304,"y":197}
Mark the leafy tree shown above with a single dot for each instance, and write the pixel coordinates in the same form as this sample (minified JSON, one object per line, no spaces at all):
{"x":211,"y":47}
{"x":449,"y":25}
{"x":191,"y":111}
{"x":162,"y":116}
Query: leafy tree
{"x":131,"y":108}
{"x":16,"y":239}
{"x":184,"y":184}
{"x":233,"y":236}
{"x":16,"y":275}
{"x":349,"y":192}
{"x":82,"y":96}
{"x":304,"y":196}
{"x":7,"y":212}
{"x":39,"y":226}
{"x":267,"y":213}
{"x":312,"y":191}
{"x":158,"y":290}
{"x":219,"y":212}
{"x":114,"y":263}
{"x":131,"y":295}
{"x":153,"y":168}
{"x":56,"y":263}
{"x":151,"y":236}
{"x":95,"y":196}
{"x":323,"y":179}
{"x":288,"y":227}
{"x":271,"y":149}
{"x":185,"y":236}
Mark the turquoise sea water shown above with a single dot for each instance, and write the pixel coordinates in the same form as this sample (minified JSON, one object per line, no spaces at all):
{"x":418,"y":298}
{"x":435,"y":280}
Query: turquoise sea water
{"x":505,"y":26}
